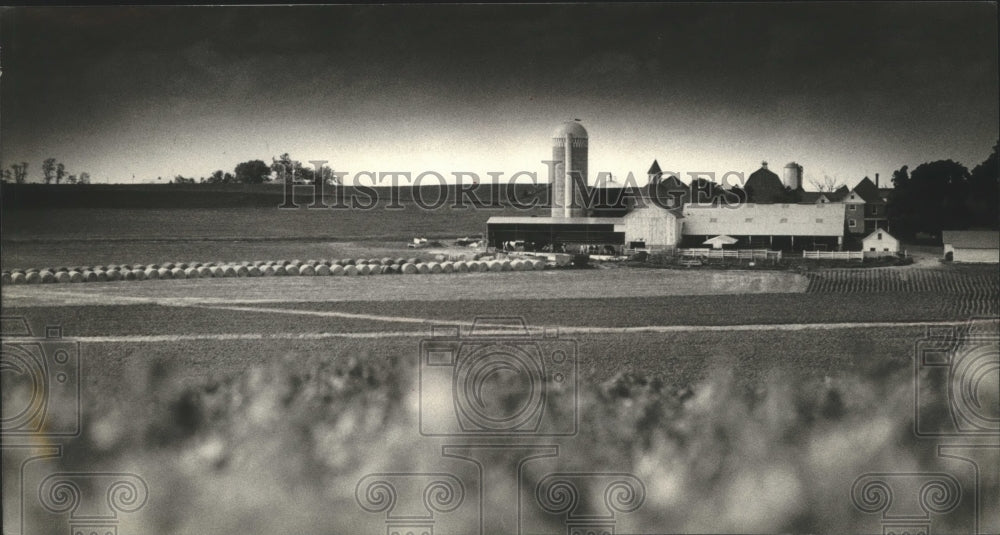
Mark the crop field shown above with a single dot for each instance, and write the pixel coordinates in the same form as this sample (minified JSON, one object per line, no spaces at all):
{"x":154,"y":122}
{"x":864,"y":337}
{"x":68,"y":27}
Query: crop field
{"x":740,"y":401}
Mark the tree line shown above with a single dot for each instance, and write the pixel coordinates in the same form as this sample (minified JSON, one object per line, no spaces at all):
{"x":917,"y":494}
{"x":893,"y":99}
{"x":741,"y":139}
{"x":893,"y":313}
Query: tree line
{"x":945,"y":195}
{"x":283,"y":168}
{"x":52,"y":171}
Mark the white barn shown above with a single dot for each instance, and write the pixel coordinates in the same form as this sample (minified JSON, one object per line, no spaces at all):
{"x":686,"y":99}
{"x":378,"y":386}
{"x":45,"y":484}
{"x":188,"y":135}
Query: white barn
{"x":879,"y":243}
{"x":972,"y":246}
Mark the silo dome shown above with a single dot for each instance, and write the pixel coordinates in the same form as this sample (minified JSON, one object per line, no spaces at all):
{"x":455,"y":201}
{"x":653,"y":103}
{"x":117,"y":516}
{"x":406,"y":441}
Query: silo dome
{"x":570,"y":127}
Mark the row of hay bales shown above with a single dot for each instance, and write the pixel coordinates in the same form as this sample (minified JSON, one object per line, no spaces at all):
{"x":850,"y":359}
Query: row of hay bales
{"x":349,"y":267}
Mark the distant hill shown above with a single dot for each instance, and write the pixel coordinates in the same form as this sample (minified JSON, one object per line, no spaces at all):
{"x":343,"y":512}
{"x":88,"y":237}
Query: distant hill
{"x":166,"y":196}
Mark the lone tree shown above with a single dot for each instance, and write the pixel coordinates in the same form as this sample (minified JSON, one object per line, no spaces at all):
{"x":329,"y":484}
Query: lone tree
{"x":60,"y":172}
{"x":49,"y":169}
{"x":20,"y":172}
{"x":828,"y":184}
{"x":252,"y":172}
{"x":84,"y":178}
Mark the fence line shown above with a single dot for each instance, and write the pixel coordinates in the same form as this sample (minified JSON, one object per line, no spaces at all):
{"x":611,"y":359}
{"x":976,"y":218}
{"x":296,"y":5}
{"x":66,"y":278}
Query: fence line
{"x":741,"y":254}
{"x":833,"y":255}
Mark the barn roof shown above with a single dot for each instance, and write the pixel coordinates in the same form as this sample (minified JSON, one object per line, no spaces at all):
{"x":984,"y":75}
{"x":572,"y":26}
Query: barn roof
{"x":765,"y":220}
{"x":972,"y":239}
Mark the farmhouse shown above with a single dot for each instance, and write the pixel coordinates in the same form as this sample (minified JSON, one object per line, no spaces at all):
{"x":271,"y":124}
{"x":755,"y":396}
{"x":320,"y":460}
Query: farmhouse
{"x":880,"y":243}
{"x":972,"y":246}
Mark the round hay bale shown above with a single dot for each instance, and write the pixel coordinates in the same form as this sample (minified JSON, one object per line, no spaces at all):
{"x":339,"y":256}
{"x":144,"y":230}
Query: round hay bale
{"x":394,"y":269}
{"x":386,"y":261}
{"x":75,"y":276}
{"x":88,"y":276}
{"x":211,"y":271}
{"x":5,"y":278}
{"x":505,"y":265}
{"x":280,"y":271}
{"x":267,"y":271}
{"x":494,"y":265}
{"x":33,"y":278}
{"x":191,"y":273}
{"x":253,"y":271}
{"x":408,"y":269}
{"x":177,"y":273}
{"x":517,"y":265}
{"x":295,"y":262}
{"x":460,"y":267}
{"x":47,"y":276}
{"x":312,"y":262}
{"x":128,"y":274}
{"x":13,"y":271}
{"x":183,"y":265}
{"x":165,"y":273}
{"x":400,"y":261}
{"x":114,"y":275}
{"x":336,"y":269}
{"x":258,"y":263}
{"x":423,"y":268}
{"x":434,"y":267}
{"x":349,"y":262}
{"x":292,"y":270}
{"x":62,"y":276}
{"x":31,"y":270}
{"x":242,"y":271}
{"x":447,"y":267}
{"x":169,"y":265}
{"x":229,"y":271}
{"x":337,"y":262}
{"x":440,"y":258}
{"x":363,"y":269}
{"x":386,"y":270}
{"x":140,"y":275}
{"x":245,"y":263}
{"x":413,"y":261}
{"x":307,"y":270}
{"x":350,"y":270}
{"x":61,"y":269}
{"x":151,"y":274}
{"x":18,"y":278}
{"x":323,"y":270}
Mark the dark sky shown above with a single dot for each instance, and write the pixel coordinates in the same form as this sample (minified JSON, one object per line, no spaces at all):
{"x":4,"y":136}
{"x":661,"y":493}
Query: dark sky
{"x":844,"y":89}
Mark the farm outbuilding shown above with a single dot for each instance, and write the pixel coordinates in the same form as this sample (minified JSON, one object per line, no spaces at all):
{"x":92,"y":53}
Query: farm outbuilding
{"x":972,"y":246}
{"x":880,"y":243}
{"x":772,"y":226}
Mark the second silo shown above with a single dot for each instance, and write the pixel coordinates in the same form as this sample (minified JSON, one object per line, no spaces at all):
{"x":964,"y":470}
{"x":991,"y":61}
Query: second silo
{"x":793,"y":176}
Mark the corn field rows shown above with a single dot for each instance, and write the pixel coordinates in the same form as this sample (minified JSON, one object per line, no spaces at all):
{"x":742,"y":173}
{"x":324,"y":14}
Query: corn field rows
{"x":968,"y":294}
